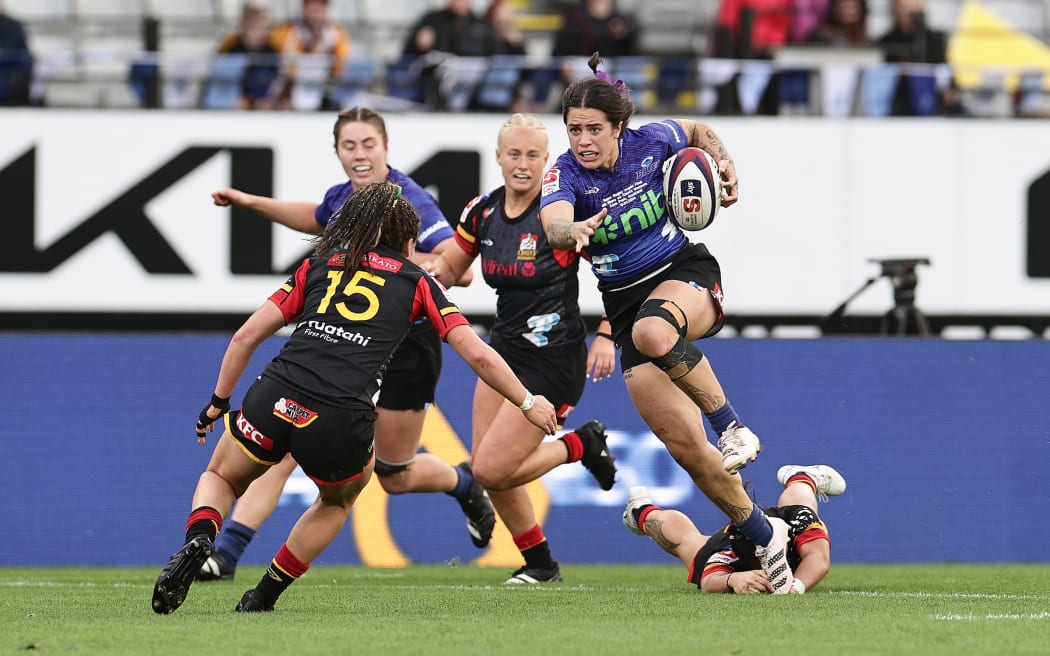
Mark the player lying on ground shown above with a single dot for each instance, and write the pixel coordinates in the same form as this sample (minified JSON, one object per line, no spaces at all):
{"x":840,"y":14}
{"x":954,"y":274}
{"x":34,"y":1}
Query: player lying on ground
{"x":725,"y":561}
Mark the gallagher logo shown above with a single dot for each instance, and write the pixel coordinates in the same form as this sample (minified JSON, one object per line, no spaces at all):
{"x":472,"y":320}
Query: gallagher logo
{"x":293,"y":413}
{"x":551,"y":181}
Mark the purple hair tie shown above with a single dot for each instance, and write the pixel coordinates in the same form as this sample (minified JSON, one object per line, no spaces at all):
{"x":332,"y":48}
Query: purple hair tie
{"x":605,"y":77}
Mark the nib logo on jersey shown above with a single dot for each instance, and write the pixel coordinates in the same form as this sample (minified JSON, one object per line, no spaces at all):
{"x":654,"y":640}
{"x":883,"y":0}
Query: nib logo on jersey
{"x":649,"y":209}
{"x":331,"y":333}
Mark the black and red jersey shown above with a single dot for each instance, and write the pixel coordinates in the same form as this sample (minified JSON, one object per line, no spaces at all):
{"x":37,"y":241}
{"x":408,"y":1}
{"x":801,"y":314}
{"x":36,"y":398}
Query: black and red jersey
{"x":349,"y":325}
{"x":536,"y":286}
{"x":728,"y":551}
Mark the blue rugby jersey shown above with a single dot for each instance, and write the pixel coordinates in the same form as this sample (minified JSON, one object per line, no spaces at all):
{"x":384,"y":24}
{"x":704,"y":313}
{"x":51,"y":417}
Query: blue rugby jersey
{"x":434,"y":228}
{"x":638,"y":234}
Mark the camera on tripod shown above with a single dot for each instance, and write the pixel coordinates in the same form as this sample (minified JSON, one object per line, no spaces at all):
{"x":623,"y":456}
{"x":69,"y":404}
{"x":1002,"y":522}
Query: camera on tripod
{"x":904,"y":318}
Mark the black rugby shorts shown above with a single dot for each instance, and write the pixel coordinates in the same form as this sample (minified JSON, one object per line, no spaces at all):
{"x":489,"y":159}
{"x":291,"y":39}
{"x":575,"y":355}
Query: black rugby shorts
{"x":332,"y":444}
{"x":693,"y":265}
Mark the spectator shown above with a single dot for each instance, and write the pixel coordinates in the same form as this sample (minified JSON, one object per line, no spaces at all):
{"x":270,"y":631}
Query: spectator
{"x":16,"y":62}
{"x":846,"y":24}
{"x":808,"y":16}
{"x":752,"y":29}
{"x":596,"y":25}
{"x":454,"y":30}
{"x":910,"y":40}
{"x":770,"y":23}
{"x":509,"y":39}
{"x":314,"y":33}
{"x":258,"y":84}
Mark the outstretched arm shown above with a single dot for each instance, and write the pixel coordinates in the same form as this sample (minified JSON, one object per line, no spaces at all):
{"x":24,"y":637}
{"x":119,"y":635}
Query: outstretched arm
{"x":497,"y":374}
{"x":297,"y":215}
{"x":450,"y":266}
{"x":565,"y":233}
{"x":448,"y":263}
{"x":263,"y":323}
{"x":815,"y":563}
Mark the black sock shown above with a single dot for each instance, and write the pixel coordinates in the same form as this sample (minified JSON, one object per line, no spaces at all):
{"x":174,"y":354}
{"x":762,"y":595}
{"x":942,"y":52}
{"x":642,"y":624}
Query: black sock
{"x":539,"y":556}
{"x":283,"y":571}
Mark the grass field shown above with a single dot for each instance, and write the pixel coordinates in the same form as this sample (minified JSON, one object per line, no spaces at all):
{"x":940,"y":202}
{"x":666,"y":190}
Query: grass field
{"x":871,"y":609}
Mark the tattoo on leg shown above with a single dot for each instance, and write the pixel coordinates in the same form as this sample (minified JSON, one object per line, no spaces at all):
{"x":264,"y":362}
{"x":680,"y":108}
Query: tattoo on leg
{"x":736,"y":514}
{"x":654,"y":529}
{"x":707,"y":402}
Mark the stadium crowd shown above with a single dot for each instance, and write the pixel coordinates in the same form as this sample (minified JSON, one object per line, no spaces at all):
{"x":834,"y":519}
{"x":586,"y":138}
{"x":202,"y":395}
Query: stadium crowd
{"x":734,"y":57}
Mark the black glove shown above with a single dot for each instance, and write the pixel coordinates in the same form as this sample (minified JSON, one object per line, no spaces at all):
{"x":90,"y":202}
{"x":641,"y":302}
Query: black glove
{"x":204,"y":421}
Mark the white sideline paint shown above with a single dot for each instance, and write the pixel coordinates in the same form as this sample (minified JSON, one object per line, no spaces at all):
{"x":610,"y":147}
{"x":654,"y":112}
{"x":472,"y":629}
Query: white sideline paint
{"x":1007,"y":616}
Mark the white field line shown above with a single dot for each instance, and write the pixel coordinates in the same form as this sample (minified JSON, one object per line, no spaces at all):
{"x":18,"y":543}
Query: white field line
{"x":934,"y":595}
{"x":579,"y":588}
{"x":998,"y":616}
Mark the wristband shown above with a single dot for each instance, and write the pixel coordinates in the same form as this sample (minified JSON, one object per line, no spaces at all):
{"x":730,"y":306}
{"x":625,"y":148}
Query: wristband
{"x":799,"y":586}
{"x":220,"y":403}
{"x":729,"y":588}
{"x":607,"y":336}
{"x":527,"y":404}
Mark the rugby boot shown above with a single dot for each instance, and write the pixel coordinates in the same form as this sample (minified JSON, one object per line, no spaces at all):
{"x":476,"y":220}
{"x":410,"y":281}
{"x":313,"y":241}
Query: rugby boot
{"x":481,"y":516}
{"x":529,"y":575}
{"x":596,"y":455}
{"x":175,"y":579}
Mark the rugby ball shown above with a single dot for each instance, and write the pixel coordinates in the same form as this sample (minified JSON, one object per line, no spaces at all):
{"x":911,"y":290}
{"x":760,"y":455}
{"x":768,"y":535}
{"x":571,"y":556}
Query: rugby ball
{"x":691,"y":188}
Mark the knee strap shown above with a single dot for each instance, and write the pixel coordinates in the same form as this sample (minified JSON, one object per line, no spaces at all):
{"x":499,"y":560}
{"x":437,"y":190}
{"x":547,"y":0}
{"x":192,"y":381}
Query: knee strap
{"x":680,"y":360}
{"x":384,"y":468}
{"x":654,"y":307}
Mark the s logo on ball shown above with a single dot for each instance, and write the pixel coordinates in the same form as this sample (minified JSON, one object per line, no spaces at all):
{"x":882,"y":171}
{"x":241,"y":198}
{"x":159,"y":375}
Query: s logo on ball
{"x":691,"y":188}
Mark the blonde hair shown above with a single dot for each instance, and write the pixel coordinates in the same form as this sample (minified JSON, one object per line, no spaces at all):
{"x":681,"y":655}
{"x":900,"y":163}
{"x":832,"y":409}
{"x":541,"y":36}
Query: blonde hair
{"x":519,"y":120}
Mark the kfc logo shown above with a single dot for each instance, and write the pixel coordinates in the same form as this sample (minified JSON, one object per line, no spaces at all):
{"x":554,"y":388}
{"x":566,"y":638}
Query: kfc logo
{"x":252,"y":434}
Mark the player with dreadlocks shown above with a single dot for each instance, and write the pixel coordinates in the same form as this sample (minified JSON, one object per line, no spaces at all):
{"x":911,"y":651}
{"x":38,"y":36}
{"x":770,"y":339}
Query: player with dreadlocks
{"x":352,"y":302}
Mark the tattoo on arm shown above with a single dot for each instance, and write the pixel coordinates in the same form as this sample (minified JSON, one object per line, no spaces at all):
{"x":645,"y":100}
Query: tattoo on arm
{"x":655,"y":529}
{"x":717,"y":144}
{"x":559,"y":234}
{"x":709,"y":141}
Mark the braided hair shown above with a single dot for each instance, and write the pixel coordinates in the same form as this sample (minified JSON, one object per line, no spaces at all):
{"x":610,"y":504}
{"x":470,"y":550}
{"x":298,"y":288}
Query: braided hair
{"x":601,"y":93}
{"x":374,"y":216}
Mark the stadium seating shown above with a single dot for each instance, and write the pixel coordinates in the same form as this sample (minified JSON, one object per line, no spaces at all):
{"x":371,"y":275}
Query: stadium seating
{"x":359,"y":75}
{"x":84,"y":50}
{"x":498,"y":86}
{"x":222,"y":89}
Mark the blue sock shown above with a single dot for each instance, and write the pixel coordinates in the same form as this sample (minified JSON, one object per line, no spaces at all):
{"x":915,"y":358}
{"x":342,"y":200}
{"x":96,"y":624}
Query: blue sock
{"x":463,"y":485}
{"x":721,"y":418}
{"x":756,"y":528}
{"x":233,"y":541}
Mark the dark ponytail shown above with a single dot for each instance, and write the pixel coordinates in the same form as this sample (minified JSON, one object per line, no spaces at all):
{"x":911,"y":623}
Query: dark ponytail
{"x":601,"y":93}
{"x":376,"y":215}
